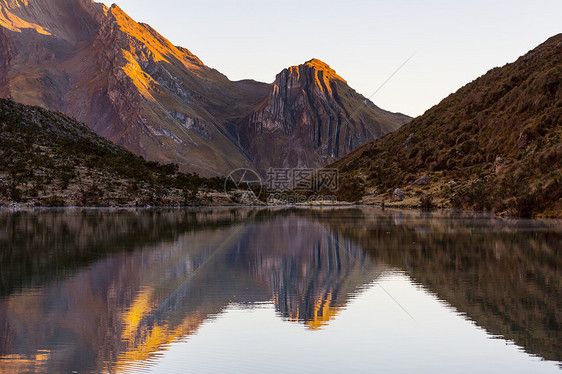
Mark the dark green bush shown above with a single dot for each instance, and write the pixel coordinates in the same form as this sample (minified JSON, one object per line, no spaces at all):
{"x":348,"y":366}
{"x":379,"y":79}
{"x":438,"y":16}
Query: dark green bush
{"x":426,"y":203}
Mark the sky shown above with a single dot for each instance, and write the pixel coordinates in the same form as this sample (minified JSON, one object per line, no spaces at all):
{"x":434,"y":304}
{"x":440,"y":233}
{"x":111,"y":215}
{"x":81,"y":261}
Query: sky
{"x":450,"y":42}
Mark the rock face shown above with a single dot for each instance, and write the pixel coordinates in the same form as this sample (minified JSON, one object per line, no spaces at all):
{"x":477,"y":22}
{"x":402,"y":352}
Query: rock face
{"x":421,"y":181}
{"x":398,"y":195}
{"x":310,"y":118}
{"x":132,"y":86}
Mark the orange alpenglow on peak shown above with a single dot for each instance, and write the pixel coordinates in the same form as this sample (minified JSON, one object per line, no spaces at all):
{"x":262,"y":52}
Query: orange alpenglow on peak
{"x":322,"y":66}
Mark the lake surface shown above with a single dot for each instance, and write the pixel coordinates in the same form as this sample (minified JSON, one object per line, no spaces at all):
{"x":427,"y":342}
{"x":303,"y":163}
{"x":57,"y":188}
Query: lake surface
{"x":356,"y":290}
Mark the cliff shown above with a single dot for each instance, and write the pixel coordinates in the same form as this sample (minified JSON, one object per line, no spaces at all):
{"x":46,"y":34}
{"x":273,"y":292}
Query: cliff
{"x":311,"y":118}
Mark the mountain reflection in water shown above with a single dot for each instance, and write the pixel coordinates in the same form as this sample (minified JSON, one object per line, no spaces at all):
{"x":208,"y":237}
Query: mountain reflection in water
{"x":127,"y":306}
{"x":104,"y":290}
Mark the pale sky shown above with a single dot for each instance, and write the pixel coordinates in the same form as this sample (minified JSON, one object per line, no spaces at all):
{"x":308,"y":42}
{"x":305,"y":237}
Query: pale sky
{"x":365,"y":41}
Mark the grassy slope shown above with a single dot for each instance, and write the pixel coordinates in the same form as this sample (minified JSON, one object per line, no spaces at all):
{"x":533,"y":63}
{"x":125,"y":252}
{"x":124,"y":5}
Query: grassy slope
{"x":513,"y":112}
{"x":49,"y":159}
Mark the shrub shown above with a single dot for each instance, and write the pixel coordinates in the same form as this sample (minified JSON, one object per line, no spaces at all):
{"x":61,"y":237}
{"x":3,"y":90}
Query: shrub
{"x":475,"y":196}
{"x":426,"y":203}
{"x":350,"y":189}
{"x":55,"y":202}
{"x":525,"y":206}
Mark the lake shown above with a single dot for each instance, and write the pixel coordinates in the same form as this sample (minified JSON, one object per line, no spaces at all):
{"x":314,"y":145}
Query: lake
{"x":278,"y":290}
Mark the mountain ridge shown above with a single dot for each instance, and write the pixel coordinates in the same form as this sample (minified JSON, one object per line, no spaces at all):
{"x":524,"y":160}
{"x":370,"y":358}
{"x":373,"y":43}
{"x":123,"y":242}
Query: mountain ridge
{"x":131,"y":85}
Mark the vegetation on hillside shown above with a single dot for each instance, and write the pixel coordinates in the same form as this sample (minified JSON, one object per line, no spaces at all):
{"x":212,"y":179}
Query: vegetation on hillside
{"x":49,"y":159}
{"x":495,"y":145}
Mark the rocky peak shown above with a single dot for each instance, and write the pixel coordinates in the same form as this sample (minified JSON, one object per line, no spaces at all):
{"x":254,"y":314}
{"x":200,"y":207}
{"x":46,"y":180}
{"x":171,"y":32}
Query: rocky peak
{"x":323,"y":67}
{"x":141,"y":39}
{"x":316,"y":115}
{"x":313,"y":74}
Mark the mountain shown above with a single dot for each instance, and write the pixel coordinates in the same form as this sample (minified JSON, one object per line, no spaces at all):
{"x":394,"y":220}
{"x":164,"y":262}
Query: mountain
{"x":124,"y":80}
{"x":496,"y":144}
{"x":49,"y":159}
{"x":132,"y":86}
{"x":310,"y":107}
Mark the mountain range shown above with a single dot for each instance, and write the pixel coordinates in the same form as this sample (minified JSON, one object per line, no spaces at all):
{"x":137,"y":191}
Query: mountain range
{"x":132,"y":86}
{"x":494,"y":145}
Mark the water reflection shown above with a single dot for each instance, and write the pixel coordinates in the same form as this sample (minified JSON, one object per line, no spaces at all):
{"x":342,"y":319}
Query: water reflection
{"x":125,"y":307}
{"x":506,"y":275}
{"x":106,"y":291}
{"x":310,"y":272}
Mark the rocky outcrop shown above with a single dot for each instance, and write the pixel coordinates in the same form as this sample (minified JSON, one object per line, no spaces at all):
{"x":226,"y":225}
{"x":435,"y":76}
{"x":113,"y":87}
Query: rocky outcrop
{"x":132,"y":86}
{"x":398,"y":195}
{"x":422,"y":181}
{"x":312,"y":117}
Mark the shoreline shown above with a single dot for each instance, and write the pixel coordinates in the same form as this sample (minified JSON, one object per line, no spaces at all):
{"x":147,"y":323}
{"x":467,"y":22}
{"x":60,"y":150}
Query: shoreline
{"x":409,"y":208}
